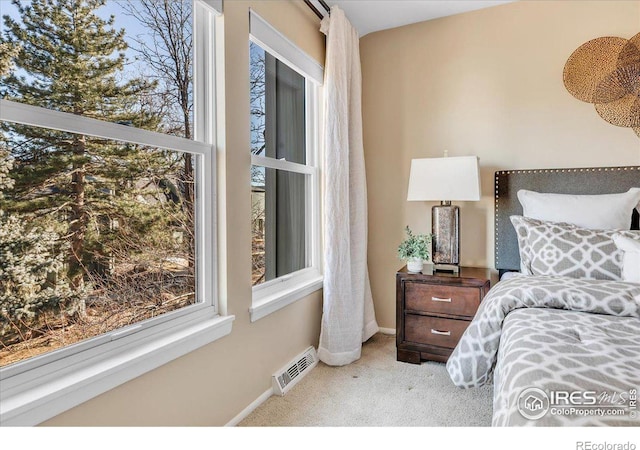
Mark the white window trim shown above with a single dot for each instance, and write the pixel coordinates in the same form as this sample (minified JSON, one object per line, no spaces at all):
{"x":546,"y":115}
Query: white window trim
{"x":214,"y":5}
{"x":32,"y":402}
{"x":274,"y":295}
{"x":42,"y":387}
{"x":283,"y":291}
{"x":269,"y":38}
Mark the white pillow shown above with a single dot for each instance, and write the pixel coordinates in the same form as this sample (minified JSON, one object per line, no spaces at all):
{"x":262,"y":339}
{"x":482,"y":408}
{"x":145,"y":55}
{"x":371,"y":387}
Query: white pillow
{"x":631,"y":259}
{"x":595,"y":212}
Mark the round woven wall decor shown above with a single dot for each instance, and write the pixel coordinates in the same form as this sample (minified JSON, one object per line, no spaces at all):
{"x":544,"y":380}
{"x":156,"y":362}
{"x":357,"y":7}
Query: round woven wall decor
{"x":620,"y":82}
{"x":606,"y":72}
{"x":624,"y":112}
{"x":630,"y":54}
{"x":590,"y":64}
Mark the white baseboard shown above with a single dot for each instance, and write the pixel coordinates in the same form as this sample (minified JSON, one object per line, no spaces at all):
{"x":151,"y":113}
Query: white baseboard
{"x":249,"y":409}
{"x":387,"y":330}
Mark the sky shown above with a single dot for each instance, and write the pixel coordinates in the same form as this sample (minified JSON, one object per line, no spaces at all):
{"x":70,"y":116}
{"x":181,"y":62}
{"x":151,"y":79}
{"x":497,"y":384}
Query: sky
{"x":135,"y":66}
{"x":112,"y":7}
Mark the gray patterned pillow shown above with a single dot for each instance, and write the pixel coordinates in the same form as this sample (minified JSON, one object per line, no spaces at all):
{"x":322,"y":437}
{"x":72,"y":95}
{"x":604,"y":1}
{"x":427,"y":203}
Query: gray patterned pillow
{"x":552,"y":248}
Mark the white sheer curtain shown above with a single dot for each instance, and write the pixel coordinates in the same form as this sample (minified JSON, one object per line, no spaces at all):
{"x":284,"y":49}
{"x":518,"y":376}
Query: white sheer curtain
{"x":348,"y":318}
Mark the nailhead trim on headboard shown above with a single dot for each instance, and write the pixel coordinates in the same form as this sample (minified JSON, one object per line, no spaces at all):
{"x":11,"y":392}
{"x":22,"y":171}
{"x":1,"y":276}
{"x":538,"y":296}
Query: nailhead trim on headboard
{"x":534,"y":171}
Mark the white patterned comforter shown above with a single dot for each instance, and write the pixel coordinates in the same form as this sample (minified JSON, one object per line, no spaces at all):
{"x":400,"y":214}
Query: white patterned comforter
{"x":558,"y":335}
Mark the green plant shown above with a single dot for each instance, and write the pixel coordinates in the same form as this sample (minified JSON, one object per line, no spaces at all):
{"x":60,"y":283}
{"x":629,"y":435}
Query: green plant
{"x":415,"y":246}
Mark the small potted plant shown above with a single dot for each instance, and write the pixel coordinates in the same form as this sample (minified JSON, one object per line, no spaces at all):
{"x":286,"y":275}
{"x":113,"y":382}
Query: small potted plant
{"x":415,"y":250}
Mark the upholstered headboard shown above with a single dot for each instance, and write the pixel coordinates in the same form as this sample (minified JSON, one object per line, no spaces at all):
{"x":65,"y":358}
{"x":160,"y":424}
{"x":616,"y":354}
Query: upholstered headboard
{"x":585,"y":181}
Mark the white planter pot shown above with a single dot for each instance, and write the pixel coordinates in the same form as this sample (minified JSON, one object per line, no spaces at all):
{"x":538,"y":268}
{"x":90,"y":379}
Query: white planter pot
{"x":414,"y":265}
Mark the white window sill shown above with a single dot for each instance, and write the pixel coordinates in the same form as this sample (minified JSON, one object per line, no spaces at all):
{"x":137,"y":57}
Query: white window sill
{"x":275,"y":297}
{"x":30,"y":402}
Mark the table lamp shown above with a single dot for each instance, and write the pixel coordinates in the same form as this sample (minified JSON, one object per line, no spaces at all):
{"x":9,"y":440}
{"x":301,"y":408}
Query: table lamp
{"x":445,"y":179}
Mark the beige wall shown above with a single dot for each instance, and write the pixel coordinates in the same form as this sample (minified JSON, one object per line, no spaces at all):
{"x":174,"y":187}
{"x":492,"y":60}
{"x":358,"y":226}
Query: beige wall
{"x":212,"y":385}
{"x":486,"y":83}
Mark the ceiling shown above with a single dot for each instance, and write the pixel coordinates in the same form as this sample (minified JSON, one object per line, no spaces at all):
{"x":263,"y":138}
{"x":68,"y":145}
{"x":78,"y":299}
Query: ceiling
{"x":368,"y":16}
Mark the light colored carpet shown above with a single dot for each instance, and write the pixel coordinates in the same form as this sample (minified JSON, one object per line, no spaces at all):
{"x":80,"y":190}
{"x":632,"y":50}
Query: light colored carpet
{"x":376,"y":390}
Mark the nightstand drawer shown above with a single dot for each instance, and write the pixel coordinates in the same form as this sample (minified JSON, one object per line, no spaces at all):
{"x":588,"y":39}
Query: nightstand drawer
{"x":452,"y":300}
{"x":434,"y":330}
{"x":434,"y":310}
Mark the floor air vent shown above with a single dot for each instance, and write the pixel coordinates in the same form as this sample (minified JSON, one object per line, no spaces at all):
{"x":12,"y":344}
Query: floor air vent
{"x":289,"y":375}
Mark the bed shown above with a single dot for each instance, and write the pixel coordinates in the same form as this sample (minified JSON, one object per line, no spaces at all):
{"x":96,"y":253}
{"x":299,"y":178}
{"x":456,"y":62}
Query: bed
{"x":559,"y":335}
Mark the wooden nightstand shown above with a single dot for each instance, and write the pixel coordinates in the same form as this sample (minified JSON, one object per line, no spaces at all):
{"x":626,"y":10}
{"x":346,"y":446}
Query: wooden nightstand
{"x":432,"y":311}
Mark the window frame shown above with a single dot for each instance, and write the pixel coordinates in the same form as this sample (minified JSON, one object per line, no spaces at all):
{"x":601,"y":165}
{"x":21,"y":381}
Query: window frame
{"x":41,"y":387}
{"x":275,"y":294}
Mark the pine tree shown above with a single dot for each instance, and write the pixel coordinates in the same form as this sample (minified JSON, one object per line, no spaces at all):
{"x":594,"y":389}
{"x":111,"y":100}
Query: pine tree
{"x":7,"y":53}
{"x":30,"y":256}
{"x":72,"y":60}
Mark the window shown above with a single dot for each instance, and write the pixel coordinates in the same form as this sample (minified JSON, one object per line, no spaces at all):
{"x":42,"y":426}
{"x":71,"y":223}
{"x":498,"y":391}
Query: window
{"x":107,"y":212}
{"x":285,"y":203}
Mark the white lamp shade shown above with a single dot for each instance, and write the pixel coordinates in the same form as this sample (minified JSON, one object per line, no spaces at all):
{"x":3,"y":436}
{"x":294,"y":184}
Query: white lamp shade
{"x":444,"y":179}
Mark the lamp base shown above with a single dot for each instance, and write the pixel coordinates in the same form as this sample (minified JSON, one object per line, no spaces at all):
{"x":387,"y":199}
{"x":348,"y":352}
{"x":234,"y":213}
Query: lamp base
{"x":446,"y":268}
{"x":445,"y":227}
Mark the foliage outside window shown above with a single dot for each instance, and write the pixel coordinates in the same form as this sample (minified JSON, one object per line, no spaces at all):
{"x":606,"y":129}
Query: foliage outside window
{"x":96,"y":234}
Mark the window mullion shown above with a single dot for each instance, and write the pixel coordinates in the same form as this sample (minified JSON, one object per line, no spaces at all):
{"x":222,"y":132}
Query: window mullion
{"x":36,"y":116}
{"x":204,"y":130}
{"x":281,"y":164}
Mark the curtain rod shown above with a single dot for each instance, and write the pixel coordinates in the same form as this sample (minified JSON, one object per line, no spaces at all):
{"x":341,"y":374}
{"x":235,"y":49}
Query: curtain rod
{"x":315,"y":10}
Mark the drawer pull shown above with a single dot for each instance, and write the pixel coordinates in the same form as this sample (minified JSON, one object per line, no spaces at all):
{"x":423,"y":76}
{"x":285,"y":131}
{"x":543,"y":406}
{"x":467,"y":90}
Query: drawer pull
{"x":438,"y":299}
{"x":441,"y":333}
